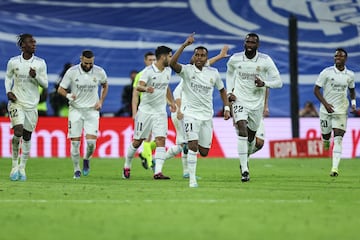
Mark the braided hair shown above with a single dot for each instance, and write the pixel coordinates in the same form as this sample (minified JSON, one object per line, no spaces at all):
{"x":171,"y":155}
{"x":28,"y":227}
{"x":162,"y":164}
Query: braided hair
{"x":21,"y":38}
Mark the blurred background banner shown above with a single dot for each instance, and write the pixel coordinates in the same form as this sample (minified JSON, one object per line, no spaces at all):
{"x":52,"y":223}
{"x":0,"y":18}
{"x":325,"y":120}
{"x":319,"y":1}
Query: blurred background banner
{"x":120,"y":32}
{"x":49,"y":139}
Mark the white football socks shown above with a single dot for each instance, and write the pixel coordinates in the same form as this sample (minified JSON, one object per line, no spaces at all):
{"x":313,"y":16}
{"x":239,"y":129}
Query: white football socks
{"x":25,"y":148}
{"x":159,"y":159}
{"x":75,"y":154}
{"x":243,"y":153}
{"x":129,"y":156}
{"x":337,"y":150}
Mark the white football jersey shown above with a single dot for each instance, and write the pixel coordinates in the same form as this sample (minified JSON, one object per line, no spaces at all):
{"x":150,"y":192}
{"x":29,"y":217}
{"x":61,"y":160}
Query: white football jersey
{"x":240,"y":78}
{"x":84,"y":85}
{"x":335,"y":86}
{"x":197,"y":90}
{"x":19,"y":82}
{"x":155,"y":102}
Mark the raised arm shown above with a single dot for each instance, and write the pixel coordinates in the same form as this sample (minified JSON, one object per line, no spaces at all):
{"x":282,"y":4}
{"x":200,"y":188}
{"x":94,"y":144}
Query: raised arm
{"x":174,"y":60}
{"x":223,"y":54}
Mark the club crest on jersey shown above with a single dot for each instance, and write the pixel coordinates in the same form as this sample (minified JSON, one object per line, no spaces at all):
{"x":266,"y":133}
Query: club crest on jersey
{"x":258,"y":69}
{"x":94,"y":79}
{"x":211,"y":81}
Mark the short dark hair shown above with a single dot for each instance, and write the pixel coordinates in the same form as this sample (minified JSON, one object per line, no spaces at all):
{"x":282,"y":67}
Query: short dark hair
{"x":21,"y":38}
{"x":87,"y":54}
{"x":134,"y":71}
{"x":201,"y":48}
{"x":342,"y":50}
{"x":162,"y":50}
{"x":253,"y":35}
{"x":148,"y":54}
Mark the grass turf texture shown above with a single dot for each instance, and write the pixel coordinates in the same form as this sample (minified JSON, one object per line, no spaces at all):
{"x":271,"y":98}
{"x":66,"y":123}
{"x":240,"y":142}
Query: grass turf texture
{"x":285,"y":199}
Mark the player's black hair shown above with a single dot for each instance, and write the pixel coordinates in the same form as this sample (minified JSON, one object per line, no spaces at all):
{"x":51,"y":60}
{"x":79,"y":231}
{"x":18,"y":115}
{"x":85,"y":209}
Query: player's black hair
{"x":87,"y":54}
{"x":201,"y":48}
{"x":342,"y":50}
{"x":21,"y":38}
{"x":162,"y":50}
{"x":148,"y":54}
{"x":253,"y":35}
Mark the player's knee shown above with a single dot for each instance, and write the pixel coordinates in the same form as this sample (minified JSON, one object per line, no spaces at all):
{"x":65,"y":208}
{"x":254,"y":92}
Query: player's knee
{"x":259,"y":143}
{"x":192,"y":145}
{"x":26,"y":135}
{"x":18,"y":130}
{"x":203,"y":151}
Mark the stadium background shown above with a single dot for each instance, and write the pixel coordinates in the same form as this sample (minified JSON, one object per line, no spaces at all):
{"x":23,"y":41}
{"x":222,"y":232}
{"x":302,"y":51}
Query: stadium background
{"x":119,"y":32}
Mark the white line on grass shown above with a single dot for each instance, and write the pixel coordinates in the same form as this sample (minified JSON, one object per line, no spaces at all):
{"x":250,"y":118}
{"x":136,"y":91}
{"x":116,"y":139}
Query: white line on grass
{"x":210,"y":201}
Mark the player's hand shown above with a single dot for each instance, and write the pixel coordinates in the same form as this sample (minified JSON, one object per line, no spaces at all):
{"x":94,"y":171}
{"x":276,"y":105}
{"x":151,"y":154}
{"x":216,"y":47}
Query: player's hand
{"x":231,"y":97}
{"x":190,"y":40}
{"x":353,"y":109}
{"x":149,"y":89}
{"x":227,"y":115}
{"x":259,"y":82}
{"x":329,"y":108}
{"x":179,"y":115}
{"x":266,"y":112}
{"x":32,"y":72}
{"x":224,"y":52}
{"x":70,"y":97}
{"x":11,"y":96}
{"x":173,"y":107}
{"x":98,"y":106}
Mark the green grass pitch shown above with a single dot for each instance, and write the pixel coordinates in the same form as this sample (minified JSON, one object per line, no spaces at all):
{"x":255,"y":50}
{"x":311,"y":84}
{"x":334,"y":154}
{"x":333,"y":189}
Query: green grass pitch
{"x":285,"y":199}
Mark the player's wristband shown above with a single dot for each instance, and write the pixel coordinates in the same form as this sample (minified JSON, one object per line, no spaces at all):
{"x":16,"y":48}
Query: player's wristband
{"x":353,"y":102}
{"x":69,"y":96}
{"x":227,"y":108}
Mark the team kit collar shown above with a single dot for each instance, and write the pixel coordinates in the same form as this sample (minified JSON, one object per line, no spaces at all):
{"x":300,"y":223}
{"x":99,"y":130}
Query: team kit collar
{"x":254,"y":59}
{"x":82,"y":70}
{"x":338,"y":71}
{"x":23,"y":59}
{"x":155,"y":67}
{"x":196,"y":69}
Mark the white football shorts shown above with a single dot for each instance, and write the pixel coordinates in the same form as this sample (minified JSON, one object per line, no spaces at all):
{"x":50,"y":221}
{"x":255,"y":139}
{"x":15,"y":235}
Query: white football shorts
{"x":146,"y":123}
{"x":201,"y":130}
{"x":330,"y":121}
{"x":28,"y":118}
{"x":80,"y":119}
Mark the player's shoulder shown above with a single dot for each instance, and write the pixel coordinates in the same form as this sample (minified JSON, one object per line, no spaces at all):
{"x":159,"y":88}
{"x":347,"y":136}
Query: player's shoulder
{"x":350,"y":72}
{"x":15,"y":58}
{"x":147,"y":68}
{"x":237,"y":55}
{"x":264,"y":57}
{"x":329,"y":69}
{"x":211,"y":69}
{"x":38,"y":59}
{"x":74,"y":68}
{"x":98,"y":68}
